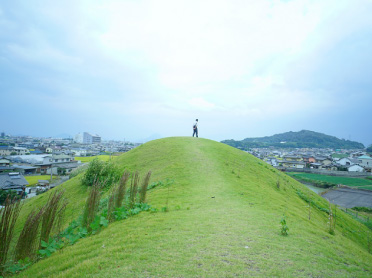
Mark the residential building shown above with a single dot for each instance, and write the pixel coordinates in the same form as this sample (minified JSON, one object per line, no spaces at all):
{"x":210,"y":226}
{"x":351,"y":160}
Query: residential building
{"x":9,"y":150}
{"x":292,"y":164}
{"x":355,"y":168}
{"x":4,"y":161}
{"x":13,"y":181}
{"x":365,"y":161}
{"x":347,"y":161}
{"x":323,"y":160}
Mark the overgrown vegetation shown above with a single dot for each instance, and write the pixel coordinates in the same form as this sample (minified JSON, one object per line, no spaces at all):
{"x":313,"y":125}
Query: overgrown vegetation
{"x":53,"y":214}
{"x":8,"y":218}
{"x":28,"y":242}
{"x":11,"y":194}
{"x":36,"y":240}
{"x":104,"y":173}
{"x":91,"y":206}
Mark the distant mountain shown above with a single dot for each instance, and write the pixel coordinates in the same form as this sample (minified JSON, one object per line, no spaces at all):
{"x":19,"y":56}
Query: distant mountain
{"x":300,"y":139}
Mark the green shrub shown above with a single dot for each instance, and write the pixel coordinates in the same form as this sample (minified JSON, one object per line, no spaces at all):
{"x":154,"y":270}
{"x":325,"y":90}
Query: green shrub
{"x":104,"y":173}
{"x":363,"y":209}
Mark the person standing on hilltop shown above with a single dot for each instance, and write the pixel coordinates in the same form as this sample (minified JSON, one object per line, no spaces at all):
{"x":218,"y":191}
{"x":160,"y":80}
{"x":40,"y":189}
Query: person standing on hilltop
{"x":195,"y":129}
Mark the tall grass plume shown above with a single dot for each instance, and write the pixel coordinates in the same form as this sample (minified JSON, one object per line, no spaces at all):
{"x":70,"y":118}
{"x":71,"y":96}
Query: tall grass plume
{"x":27,"y":243}
{"x":121,"y":189}
{"x":143,"y":191}
{"x":91,"y":206}
{"x":133,"y":190}
{"x":8,"y":217}
{"x":53,"y":215}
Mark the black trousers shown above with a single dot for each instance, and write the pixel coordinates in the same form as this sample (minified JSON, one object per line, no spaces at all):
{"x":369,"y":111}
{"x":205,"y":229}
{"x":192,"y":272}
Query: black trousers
{"x":195,"y":132}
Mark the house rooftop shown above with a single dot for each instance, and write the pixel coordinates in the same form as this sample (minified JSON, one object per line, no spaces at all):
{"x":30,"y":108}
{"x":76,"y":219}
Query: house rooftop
{"x":365,"y":157}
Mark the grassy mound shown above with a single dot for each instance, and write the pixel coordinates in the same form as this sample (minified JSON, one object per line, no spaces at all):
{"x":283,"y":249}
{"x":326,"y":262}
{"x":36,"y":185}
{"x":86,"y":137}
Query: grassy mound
{"x":221,"y":218}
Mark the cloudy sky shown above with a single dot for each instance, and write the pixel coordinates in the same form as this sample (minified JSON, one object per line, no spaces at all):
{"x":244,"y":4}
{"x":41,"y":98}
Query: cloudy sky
{"x":136,"y":69}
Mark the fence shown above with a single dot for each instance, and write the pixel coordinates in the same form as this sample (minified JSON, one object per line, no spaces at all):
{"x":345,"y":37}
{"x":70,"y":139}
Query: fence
{"x":355,"y":214}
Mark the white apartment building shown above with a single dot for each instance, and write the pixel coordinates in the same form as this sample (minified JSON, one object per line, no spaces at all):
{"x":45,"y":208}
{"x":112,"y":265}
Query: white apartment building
{"x":87,"y":138}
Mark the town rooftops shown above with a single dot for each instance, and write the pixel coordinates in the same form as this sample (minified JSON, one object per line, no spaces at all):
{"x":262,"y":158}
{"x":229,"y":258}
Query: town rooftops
{"x":365,"y":157}
{"x":12,"y":180}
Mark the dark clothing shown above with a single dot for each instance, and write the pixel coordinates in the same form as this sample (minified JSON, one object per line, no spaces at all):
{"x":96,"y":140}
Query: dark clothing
{"x":195,"y":132}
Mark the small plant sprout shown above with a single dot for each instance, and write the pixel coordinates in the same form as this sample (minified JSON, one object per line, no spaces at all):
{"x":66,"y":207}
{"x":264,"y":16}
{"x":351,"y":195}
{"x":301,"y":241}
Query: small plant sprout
{"x":331,"y":220}
{"x":278,"y":184}
{"x":284,"y":229}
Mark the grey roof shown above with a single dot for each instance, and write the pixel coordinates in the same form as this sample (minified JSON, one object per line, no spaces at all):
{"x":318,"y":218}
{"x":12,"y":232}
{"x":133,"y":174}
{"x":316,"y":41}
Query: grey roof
{"x":4,"y":168}
{"x":292,"y":162}
{"x":25,"y":167}
{"x":12,"y":180}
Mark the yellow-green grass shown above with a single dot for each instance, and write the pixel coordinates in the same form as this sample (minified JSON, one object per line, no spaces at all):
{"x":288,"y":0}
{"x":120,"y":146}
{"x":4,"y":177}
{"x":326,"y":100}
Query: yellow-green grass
{"x":355,"y":182}
{"x":85,"y":159}
{"x":33,"y":180}
{"x":223,"y":221}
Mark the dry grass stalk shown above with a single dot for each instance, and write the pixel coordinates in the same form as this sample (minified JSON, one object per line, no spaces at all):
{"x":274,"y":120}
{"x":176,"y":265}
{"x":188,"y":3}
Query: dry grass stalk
{"x":8,"y":218}
{"x":143,"y":191}
{"x":111,"y":206}
{"x":53,"y":214}
{"x":133,"y":190}
{"x":120,"y":192}
{"x":91,"y":206}
{"x":28,"y":243}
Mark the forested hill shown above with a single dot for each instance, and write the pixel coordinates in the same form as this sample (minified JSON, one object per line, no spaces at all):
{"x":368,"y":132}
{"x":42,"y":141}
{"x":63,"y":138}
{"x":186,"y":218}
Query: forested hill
{"x":300,"y":139}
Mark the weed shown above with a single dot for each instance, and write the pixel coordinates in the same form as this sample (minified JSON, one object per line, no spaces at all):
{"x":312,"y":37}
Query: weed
{"x":91,"y":207}
{"x":308,"y":200}
{"x":18,"y":266}
{"x":28,"y":244}
{"x":143,"y":191}
{"x":53,"y":215}
{"x":105,"y":173}
{"x":50,"y":247}
{"x":284,"y":229}
{"x":120,"y":192}
{"x":98,"y":222}
{"x":8,"y":218}
{"x":110,"y":206}
{"x":331,"y":221}
{"x":133,"y":190}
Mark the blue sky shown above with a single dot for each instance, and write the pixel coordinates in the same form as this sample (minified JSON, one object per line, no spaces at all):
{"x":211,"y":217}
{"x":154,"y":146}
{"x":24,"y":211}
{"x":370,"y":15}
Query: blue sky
{"x":134,"y":69}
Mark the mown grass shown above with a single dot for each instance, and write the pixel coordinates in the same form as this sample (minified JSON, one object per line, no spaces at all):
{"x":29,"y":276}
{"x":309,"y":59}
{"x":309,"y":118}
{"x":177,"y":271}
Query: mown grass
{"x":223,"y":220}
{"x":356,"y":182}
{"x":33,"y":180}
{"x":85,"y":159}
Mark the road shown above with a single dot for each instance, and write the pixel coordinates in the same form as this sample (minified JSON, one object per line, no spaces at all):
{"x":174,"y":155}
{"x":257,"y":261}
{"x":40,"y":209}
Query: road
{"x":349,"y":198}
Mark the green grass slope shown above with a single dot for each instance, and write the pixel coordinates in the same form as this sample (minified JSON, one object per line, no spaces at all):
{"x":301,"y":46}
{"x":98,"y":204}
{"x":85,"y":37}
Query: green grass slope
{"x":223,"y":221}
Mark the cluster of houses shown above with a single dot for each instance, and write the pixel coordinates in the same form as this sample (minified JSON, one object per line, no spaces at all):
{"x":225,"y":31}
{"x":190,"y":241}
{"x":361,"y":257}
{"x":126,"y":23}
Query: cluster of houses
{"x":352,"y":161}
{"x":22,"y":155}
